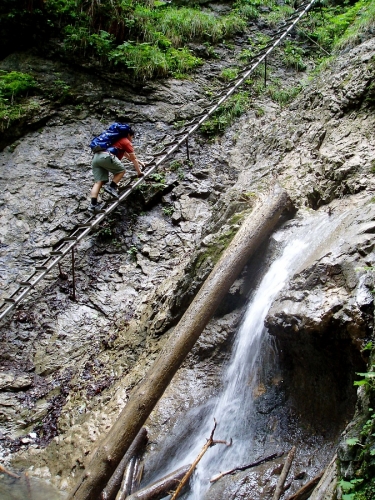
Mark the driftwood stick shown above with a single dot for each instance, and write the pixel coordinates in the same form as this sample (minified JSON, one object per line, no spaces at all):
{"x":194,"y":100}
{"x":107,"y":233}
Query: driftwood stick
{"x":247,"y":466}
{"x":127,"y":482}
{"x":161,"y":487}
{"x":284,"y":474}
{"x":110,"y":491}
{"x":6,"y":471}
{"x":255,"y":229}
{"x":210,"y":442}
{"x":304,"y":492}
{"x":137,"y":475}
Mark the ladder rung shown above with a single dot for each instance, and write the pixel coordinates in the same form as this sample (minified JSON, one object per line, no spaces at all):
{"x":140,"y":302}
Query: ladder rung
{"x":84,"y":225}
{"x":25,"y":283}
{"x":41,"y":268}
{"x":56,"y":252}
{"x":70,"y":238}
{"x":9,"y":300}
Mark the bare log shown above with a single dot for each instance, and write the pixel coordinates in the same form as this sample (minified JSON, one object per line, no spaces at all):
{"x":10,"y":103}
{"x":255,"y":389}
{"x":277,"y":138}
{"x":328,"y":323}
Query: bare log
{"x":161,"y":487}
{"x":110,"y":491}
{"x":304,"y":492}
{"x":127,"y":482}
{"x":244,"y":467}
{"x":284,"y":473}
{"x":210,"y":442}
{"x":105,"y":458}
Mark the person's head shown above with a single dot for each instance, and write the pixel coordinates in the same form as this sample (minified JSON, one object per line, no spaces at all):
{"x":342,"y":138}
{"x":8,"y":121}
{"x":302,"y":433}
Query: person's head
{"x":131,"y":133}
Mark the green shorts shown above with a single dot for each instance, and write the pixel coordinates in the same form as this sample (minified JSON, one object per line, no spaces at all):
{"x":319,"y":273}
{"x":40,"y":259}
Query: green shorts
{"x":102,"y":163}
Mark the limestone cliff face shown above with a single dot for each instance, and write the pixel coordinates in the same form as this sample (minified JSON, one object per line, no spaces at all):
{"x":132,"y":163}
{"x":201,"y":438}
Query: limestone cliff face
{"x":67,"y":367}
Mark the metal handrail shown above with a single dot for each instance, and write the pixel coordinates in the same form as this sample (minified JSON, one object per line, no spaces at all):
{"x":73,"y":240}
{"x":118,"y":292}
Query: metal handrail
{"x":181,"y":137}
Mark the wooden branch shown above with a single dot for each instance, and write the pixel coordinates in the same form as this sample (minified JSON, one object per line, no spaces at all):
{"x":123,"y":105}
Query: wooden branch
{"x":6,"y":471}
{"x":161,"y":487}
{"x":244,"y":467}
{"x":127,"y":482}
{"x":304,"y":492}
{"x":284,"y":473}
{"x":137,"y":475}
{"x":210,"y":442}
{"x":103,"y":461}
{"x":109,"y":492}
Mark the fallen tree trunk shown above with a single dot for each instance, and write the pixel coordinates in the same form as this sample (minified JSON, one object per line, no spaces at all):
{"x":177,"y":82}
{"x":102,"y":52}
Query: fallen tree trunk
{"x":161,"y":487}
{"x":110,"y":491}
{"x":253,"y":232}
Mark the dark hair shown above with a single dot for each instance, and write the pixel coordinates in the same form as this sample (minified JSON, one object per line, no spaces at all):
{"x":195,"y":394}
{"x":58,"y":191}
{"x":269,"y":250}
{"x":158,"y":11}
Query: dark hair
{"x":131,"y":132}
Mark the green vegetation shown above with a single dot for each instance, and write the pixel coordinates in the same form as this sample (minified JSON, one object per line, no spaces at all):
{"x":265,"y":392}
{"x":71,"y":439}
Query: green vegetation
{"x":132,"y":252}
{"x":15,"y":84}
{"x":283,"y":96}
{"x":175,"y":165}
{"x":362,"y":485}
{"x":228,"y":74}
{"x":339,"y":24}
{"x":146,"y":38}
{"x":225,"y":115}
{"x":14,"y":87}
{"x":168,"y":210}
{"x":279,"y":13}
{"x":293,"y":56}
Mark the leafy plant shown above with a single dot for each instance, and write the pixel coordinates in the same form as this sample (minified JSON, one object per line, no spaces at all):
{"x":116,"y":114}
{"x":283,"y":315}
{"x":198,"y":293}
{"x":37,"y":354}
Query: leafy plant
{"x":168,"y":211}
{"x":175,"y":165}
{"x":246,"y":55}
{"x":132,"y":252}
{"x":228,"y":74}
{"x":149,"y":61}
{"x":279,"y":13}
{"x":283,"y":96}
{"x":14,"y":84}
{"x":293,"y":56}
{"x":368,"y":379}
{"x":362,"y":485}
{"x":60,"y":90}
{"x":158,"y":178}
{"x":224,"y":116}
{"x":340,"y":24}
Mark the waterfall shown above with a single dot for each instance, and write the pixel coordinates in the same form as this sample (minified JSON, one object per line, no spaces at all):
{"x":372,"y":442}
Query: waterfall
{"x":233,"y":409}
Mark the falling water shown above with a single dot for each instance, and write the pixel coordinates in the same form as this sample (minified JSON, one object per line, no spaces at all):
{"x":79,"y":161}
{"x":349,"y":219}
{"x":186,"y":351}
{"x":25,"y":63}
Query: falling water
{"x":234,"y":407}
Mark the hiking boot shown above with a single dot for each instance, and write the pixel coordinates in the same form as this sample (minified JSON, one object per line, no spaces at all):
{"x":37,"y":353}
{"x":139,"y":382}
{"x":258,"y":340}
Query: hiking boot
{"x":111,"y":190}
{"x":95,"y":208}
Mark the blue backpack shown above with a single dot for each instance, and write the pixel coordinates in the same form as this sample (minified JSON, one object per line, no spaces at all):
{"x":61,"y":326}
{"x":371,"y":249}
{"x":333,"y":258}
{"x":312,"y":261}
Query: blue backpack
{"x":109,"y":137}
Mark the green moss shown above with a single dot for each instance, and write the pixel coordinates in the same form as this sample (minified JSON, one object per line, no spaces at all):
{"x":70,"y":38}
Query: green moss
{"x":212,"y":253}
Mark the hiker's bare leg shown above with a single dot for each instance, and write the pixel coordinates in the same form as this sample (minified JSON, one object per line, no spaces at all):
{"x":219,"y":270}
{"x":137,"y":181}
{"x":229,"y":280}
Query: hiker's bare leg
{"x":117,"y":177}
{"x":96,"y":188}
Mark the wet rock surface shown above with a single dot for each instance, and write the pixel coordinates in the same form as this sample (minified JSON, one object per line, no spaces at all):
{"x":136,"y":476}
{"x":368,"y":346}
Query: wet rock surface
{"x":68,"y":366}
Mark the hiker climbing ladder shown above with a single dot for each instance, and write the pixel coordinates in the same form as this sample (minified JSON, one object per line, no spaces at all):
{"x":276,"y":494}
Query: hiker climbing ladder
{"x":67,"y":244}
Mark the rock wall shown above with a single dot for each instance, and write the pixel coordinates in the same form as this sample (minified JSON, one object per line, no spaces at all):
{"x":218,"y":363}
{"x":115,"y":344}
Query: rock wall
{"x":68,"y":367}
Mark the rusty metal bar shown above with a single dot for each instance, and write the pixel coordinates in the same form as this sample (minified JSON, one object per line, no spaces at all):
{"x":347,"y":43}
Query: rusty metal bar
{"x":73,"y":275}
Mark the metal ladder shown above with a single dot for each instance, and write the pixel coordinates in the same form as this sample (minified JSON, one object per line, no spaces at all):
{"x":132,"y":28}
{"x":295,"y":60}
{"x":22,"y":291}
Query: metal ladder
{"x":68,"y":243}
